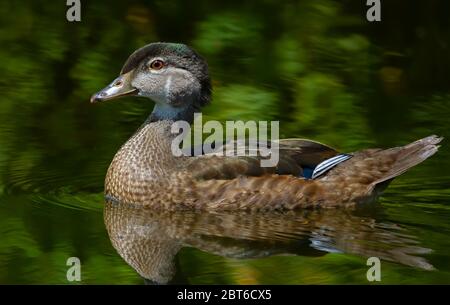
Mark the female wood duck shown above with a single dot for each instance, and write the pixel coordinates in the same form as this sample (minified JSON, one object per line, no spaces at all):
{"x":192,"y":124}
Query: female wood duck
{"x":145,"y":171}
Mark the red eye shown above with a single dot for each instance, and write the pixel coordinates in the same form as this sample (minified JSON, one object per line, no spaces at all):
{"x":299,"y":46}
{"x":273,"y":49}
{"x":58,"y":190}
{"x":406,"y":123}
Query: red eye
{"x":157,"y":64}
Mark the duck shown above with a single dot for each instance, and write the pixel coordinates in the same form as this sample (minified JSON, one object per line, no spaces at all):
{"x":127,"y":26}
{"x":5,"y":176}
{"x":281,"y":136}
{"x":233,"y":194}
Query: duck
{"x":309,"y":174}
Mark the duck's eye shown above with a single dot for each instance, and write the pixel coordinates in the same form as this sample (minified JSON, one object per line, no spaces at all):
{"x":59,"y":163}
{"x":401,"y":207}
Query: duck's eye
{"x":157,"y":64}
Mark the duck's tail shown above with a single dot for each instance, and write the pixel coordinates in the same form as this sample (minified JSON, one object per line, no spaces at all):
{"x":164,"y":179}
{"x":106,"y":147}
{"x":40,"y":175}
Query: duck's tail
{"x":409,"y":156}
{"x":363,"y":177}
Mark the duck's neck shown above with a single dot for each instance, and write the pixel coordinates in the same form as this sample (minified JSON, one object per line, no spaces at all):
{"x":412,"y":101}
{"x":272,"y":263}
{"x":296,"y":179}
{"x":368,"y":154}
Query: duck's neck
{"x":163,"y":112}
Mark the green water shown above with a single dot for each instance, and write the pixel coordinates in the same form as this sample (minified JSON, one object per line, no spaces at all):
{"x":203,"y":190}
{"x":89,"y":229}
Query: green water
{"x":317,"y":66}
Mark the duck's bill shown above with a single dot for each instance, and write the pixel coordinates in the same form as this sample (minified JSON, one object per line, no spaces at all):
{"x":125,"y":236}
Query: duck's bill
{"x":119,"y":87}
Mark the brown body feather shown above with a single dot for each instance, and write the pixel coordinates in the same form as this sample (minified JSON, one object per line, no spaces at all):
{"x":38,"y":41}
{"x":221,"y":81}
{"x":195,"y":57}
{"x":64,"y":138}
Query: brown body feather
{"x":145,"y":172}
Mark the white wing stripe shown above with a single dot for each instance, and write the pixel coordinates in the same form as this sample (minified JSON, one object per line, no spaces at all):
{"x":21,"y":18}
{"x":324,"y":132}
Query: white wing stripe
{"x":329,"y":164}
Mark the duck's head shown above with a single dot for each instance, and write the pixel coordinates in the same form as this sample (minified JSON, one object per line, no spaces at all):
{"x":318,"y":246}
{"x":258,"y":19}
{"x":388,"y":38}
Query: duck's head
{"x":173,"y":75}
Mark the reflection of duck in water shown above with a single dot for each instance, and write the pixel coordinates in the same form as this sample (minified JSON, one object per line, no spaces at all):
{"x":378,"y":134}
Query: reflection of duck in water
{"x":145,"y":171}
{"x":148,"y":239}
